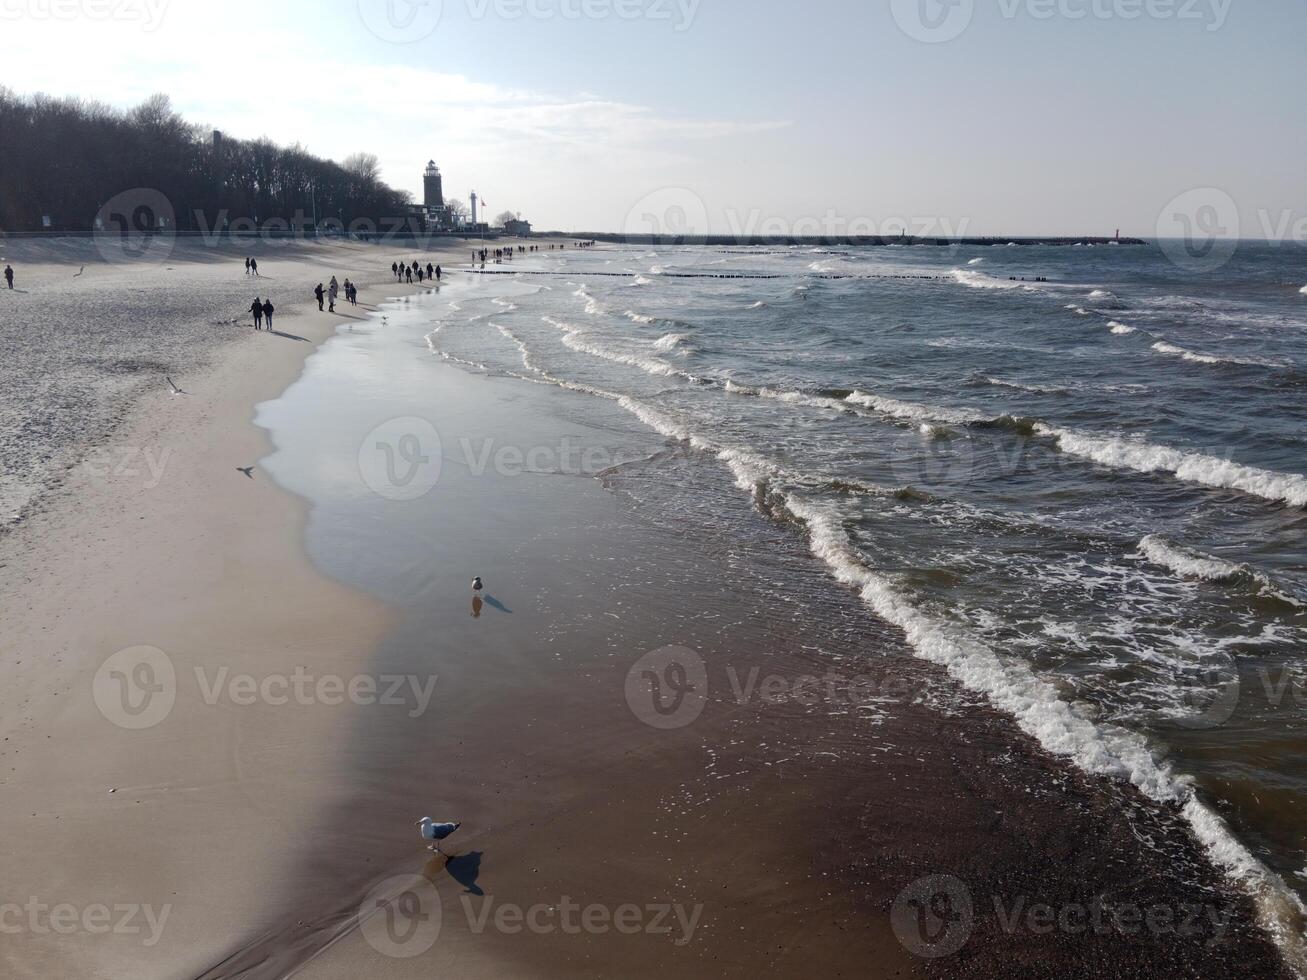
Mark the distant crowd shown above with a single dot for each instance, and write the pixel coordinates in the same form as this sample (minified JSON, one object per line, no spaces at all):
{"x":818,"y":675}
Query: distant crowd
{"x":406,"y":273}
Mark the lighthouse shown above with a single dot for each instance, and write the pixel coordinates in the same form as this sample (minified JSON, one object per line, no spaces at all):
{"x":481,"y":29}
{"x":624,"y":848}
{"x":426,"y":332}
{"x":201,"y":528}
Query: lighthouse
{"x":433,"y":191}
{"x":474,"y":208}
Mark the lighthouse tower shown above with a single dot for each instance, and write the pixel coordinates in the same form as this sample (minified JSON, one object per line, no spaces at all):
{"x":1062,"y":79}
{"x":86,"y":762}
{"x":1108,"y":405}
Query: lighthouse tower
{"x":433,"y":190}
{"x":474,"y":207}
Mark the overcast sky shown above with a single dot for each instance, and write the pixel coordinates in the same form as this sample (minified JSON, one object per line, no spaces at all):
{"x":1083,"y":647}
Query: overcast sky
{"x":1001,"y":117}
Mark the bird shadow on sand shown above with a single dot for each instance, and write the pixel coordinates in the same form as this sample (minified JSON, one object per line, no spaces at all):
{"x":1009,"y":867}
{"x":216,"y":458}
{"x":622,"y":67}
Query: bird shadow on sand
{"x":494,"y":603}
{"x":466,"y":869}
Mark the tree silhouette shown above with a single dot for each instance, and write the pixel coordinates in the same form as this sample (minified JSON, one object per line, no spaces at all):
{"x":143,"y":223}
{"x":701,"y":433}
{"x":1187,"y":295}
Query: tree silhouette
{"x":67,"y":158}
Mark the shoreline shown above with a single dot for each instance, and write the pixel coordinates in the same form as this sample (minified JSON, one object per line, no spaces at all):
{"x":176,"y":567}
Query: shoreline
{"x":820,"y":868}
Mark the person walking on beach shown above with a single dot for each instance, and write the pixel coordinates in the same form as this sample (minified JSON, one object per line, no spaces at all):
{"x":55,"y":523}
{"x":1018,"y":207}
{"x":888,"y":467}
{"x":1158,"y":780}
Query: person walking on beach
{"x":318,"y":292}
{"x":394,"y":269}
{"x":430,"y":271}
{"x":257,"y":309}
{"x":9,"y":276}
{"x":254,"y":266}
{"x":438,"y":274}
{"x":268,"y":310}
{"x":247,"y":265}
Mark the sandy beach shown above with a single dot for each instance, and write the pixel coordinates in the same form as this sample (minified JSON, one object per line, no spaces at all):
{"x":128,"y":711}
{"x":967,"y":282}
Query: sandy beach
{"x":834,"y":805}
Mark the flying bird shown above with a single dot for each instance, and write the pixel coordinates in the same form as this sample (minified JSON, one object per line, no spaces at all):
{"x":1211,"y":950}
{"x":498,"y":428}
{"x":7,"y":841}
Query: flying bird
{"x":436,"y":832}
{"x":247,"y":470}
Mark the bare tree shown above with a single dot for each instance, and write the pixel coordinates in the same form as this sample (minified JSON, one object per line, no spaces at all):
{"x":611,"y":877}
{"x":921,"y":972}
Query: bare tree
{"x":365,"y":166}
{"x":507,"y":216}
{"x":458,"y":209}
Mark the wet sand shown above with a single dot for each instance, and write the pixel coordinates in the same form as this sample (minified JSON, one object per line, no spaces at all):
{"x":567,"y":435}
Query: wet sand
{"x":776,"y":831}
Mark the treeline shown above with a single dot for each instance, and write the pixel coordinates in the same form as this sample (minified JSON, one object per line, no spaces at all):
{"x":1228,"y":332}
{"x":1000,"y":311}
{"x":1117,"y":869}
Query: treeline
{"x":68,"y":159}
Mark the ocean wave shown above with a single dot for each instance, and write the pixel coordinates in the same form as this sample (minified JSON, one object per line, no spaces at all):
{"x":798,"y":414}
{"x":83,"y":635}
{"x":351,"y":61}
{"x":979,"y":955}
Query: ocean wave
{"x":1105,"y":299}
{"x":1112,"y":451}
{"x":1209,"y":471}
{"x":976,"y":262}
{"x":760,"y":305}
{"x":1013,"y":688}
{"x":574,"y":338}
{"x":910,"y":411}
{"x":1193,"y":564}
{"x":1303,"y":290}
{"x":1019,"y":386}
{"x":983,"y":280}
{"x":639,"y":317}
{"x":1120,"y":328}
{"x":669,"y":342}
{"x":1162,"y":347}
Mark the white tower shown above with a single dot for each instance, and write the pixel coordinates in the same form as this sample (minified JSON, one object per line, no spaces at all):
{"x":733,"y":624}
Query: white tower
{"x":474,"y":207}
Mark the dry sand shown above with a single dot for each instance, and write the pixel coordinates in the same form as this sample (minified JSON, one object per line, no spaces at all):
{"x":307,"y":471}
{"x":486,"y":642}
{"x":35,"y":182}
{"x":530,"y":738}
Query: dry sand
{"x":162,"y":541}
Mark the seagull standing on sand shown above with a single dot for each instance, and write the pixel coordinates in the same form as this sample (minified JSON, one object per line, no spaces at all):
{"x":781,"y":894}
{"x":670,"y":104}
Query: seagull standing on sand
{"x":477,"y":585}
{"x":436,"y":832}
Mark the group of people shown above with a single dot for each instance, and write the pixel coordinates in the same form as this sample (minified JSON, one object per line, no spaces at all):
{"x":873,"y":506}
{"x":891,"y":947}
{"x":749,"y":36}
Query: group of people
{"x":251,"y":267}
{"x":406,"y":273}
{"x":262,"y":310}
{"x":332,"y":291}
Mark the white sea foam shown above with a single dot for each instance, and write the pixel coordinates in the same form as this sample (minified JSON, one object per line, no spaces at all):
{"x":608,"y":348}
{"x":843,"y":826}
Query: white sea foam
{"x":1303,"y":290}
{"x":1122,"y":453}
{"x":1120,"y":328}
{"x":640,"y":317}
{"x":910,"y":411}
{"x":758,"y":305}
{"x":1165,"y":348}
{"x":1019,"y":386}
{"x":976,"y":262}
{"x":575,"y":339}
{"x":1193,"y":564}
{"x":983,"y":280}
{"x":668,"y":342}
